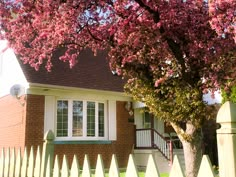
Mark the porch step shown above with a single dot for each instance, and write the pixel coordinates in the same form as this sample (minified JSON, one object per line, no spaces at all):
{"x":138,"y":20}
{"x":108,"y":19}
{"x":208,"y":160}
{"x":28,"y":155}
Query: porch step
{"x":141,"y":159}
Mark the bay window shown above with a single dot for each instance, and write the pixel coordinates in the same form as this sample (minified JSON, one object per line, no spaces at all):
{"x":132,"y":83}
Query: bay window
{"x":81,"y":120}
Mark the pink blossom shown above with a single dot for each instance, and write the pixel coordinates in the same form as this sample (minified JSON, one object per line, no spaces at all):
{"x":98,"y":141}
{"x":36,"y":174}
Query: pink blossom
{"x":159,"y":81}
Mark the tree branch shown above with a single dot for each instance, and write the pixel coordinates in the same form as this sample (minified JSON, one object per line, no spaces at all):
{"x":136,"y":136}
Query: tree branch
{"x":156,"y":15}
{"x":174,"y":47}
{"x":93,"y":36}
{"x":180,"y":132}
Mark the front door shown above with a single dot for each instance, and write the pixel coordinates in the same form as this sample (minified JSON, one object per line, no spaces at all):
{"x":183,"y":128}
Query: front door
{"x":148,"y":121}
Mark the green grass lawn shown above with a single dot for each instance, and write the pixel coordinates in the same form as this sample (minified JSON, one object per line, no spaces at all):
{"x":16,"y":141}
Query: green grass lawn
{"x":141,"y":174}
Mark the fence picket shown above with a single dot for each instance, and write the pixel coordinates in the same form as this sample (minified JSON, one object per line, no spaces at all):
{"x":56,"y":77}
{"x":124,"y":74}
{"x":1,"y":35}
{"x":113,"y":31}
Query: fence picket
{"x":48,"y":168}
{"x":114,"y":169}
{"x":151,"y":170}
{"x":176,"y":169}
{"x":12,"y":166}
{"x":206,"y":167}
{"x":37,"y":163}
{"x":18,"y":164}
{"x":7,"y":163}
{"x":74,"y":171}
{"x":30,"y":169}
{"x":99,"y":171}
{"x":2,"y":162}
{"x":56,"y":169}
{"x":86,"y":167}
{"x":65,"y":167}
{"x":131,"y":168}
{"x":24,"y":164}
{"x":12,"y":163}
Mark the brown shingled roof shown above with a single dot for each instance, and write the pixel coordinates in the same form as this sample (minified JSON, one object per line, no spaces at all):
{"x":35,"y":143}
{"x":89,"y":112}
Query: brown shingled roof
{"x":91,"y":72}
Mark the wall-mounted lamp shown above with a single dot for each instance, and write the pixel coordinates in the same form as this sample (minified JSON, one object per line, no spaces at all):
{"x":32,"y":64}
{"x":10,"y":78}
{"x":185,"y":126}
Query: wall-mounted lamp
{"x":128,"y":107}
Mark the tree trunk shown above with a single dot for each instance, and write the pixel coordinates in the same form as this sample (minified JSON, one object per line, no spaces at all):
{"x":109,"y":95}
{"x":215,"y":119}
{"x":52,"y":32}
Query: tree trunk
{"x":192,"y":150}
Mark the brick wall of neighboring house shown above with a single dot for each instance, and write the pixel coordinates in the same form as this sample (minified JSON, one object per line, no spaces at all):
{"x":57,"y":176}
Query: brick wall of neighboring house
{"x":12,"y":122}
{"x":35,"y":120}
{"x":122,"y":147}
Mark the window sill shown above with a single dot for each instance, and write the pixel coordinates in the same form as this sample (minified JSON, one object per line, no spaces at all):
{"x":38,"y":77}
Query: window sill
{"x":82,"y":142}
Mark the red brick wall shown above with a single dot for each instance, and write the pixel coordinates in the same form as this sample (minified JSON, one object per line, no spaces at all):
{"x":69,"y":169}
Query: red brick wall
{"x":34,"y":133}
{"x":12,"y":122}
{"x":18,"y":132}
{"x":122,"y":147}
{"x":35,"y":120}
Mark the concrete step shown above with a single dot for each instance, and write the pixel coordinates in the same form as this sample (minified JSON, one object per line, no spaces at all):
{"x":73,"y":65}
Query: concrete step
{"x":180,"y":154}
{"x":141,"y":159}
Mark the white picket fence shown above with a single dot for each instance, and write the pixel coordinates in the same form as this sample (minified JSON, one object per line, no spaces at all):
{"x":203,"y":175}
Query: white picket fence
{"x":43,"y":164}
{"x":30,"y":166}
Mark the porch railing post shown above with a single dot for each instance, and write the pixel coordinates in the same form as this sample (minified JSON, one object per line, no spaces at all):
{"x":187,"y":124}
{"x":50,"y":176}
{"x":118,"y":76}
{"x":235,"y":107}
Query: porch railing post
{"x":135,"y":137}
{"x":152,"y":138}
{"x":48,"y":152}
{"x":171,"y":152}
{"x":226,"y":140}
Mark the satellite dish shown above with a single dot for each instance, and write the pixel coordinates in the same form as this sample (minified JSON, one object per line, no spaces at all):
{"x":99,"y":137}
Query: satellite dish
{"x":17,"y":90}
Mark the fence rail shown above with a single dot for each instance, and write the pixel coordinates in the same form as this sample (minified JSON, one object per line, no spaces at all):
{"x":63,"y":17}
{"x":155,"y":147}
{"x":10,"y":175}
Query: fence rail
{"x":143,"y":138}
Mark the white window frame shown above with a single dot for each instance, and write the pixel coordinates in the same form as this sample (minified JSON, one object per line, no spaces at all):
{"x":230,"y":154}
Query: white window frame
{"x":70,"y":120}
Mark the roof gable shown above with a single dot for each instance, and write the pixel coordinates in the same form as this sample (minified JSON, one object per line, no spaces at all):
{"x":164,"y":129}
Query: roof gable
{"x":91,"y":72}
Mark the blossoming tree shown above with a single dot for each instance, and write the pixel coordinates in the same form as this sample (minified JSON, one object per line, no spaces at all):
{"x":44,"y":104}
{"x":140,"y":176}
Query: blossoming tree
{"x":171,"y":52}
{"x":223,"y":17}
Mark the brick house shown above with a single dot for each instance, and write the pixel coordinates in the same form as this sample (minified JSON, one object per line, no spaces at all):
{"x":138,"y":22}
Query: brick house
{"x":83,"y":106}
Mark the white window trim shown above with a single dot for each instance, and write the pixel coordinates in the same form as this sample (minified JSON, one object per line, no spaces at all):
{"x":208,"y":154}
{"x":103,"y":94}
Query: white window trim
{"x":84,"y":137}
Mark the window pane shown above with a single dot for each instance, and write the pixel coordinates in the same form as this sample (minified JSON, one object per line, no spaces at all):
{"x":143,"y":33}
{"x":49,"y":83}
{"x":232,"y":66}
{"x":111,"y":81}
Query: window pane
{"x":77,"y":118}
{"x":62,"y":118}
{"x":90,"y":118}
{"x":146,"y":120}
{"x":101,"y":119}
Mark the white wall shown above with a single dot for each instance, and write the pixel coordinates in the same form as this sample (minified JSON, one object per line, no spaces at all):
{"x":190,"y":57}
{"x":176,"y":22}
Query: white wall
{"x":10,"y":71}
{"x":138,"y":118}
{"x":159,"y":125}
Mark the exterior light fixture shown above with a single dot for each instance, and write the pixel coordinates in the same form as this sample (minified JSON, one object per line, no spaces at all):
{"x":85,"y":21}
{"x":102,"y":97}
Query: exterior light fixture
{"x":128,"y":107}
